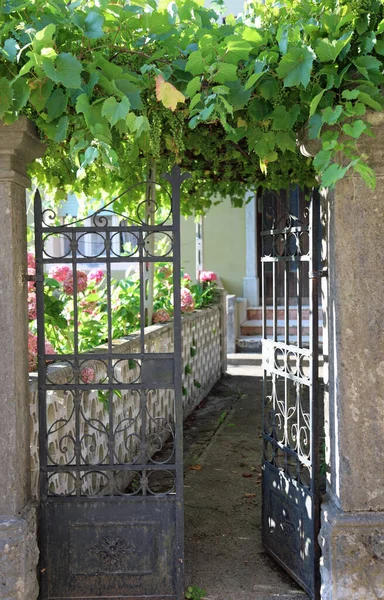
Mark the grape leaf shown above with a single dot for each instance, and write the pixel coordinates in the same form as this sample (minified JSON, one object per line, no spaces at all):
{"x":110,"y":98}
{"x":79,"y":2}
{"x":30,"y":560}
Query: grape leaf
{"x":195,"y":63}
{"x":65,"y":69}
{"x":21,"y":94}
{"x":283,"y":119}
{"x":193,"y":86}
{"x":56,"y":103}
{"x":5,"y":95}
{"x":236,"y":50}
{"x":43,"y":38}
{"x":332,"y":174}
{"x":315,"y":102}
{"x":328,"y":51}
{"x":94,"y":25}
{"x":252,"y":80}
{"x":365,"y":64}
{"x":115,"y":111}
{"x":355,"y":129}
{"x":167,"y":94}
{"x":286,"y":140}
{"x":295,"y":66}
{"x":225,"y":72}
{"x":331,"y":116}
{"x":10,"y":49}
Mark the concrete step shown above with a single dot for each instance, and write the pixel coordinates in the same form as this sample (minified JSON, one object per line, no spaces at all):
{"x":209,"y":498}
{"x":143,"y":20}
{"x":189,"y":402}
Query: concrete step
{"x":251,"y":358}
{"x":253,"y":343}
{"x":255,"y":313}
{"x":255,"y":327}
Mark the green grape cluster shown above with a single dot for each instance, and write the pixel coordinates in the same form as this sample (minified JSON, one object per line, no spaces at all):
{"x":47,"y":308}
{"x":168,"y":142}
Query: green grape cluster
{"x":155,"y":135}
{"x":176,"y":130}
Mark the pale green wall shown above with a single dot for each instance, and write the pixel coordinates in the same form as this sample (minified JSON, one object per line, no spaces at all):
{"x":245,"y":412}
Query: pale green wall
{"x":224,"y":245}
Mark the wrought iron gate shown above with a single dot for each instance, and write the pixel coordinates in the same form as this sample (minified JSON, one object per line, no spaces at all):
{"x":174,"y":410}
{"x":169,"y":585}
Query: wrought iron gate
{"x":111,"y":473}
{"x":290,"y":513}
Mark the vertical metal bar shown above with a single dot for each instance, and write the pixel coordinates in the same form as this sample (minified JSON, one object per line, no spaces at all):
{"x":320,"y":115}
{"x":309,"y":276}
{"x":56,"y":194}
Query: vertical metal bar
{"x":142,"y":290}
{"x":314,"y":278}
{"x":263,"y":306}
{"x":286,"y":264}
{"x":149,"y":270}
{"x":176,"y":180}
{"x":299,"y":330}
{"x":76,"y":365}
{"x":110,"y":378}
{"x":274,"y":298}
{"x":42,"y":409}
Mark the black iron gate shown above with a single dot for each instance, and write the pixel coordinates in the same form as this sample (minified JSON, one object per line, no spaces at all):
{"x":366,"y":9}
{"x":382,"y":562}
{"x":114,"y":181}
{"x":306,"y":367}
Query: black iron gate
{"x":290,"y":519}
{"x":111,"y":478}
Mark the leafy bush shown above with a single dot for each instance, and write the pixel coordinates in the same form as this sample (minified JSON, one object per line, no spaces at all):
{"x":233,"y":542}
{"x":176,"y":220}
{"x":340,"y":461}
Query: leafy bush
{"x":92,"y":306}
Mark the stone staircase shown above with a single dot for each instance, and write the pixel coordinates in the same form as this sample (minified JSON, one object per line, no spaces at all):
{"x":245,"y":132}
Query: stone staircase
{"x":251,"y":329}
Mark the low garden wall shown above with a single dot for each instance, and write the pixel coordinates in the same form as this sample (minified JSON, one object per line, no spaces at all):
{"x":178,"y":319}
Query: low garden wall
{"x":203,"y":355}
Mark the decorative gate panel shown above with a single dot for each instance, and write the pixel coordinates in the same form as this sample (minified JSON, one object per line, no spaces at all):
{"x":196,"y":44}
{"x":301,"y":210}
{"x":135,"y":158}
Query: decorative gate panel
{"x":111,"y":473}
{"x":290,"y":519}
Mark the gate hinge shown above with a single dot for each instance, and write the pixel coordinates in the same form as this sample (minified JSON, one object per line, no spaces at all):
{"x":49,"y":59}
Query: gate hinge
{"x":324,"y":272}
{"x":314,"y":275}
{"x":34,"y":278}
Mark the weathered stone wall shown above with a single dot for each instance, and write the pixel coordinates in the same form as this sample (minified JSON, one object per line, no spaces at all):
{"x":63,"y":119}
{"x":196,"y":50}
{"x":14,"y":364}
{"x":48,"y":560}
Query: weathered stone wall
{"x":352,"y":534}
{"x":18,"y":549}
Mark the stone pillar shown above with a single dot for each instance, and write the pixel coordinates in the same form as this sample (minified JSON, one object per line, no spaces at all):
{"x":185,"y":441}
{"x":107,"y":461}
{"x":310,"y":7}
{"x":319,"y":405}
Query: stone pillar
{"x":18,"y":548}
{"x":352,"y":532}
{"x":231,"y":324}
{"x":251,"y":285}
{"x":223,"y":327}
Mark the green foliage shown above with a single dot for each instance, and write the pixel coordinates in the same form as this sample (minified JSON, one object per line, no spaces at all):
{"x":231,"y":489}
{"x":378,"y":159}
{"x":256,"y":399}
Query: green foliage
{"x":92,"y":309}
{"x":194,"y":593}
{"x":85,"y":73}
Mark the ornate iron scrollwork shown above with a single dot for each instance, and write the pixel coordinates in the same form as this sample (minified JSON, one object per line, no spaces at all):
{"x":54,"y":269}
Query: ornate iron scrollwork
{"x":111,"y":550}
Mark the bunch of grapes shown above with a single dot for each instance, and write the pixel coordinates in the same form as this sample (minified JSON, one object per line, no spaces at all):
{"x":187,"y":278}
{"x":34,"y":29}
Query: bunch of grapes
{"x":155,"y":134}
{"x":176,"y":129}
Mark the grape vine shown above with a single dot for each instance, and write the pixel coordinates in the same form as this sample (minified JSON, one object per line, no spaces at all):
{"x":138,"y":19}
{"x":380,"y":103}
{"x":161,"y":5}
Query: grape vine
{"x":113,"y":86}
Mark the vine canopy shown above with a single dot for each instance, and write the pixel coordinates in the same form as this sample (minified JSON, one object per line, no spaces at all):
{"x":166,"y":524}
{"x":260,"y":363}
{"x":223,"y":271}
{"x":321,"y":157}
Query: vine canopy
{"x":114,"y":85}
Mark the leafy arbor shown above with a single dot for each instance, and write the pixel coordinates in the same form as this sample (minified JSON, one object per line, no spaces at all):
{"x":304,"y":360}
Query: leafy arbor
{"x":113,"y":84}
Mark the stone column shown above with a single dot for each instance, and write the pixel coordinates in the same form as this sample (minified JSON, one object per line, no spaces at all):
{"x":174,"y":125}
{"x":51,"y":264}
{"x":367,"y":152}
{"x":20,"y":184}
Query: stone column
{"x":352,"y":532}
{"x":223,"y":328}
{"x":251,"y":287}
{"x":18,"y":549}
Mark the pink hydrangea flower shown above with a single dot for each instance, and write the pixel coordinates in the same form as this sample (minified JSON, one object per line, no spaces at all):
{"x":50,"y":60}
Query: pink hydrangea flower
{"x":31,"y":284}
{"x":49,"y":349}
{"x":87,"y":374}
{"x":89,"y":307}
{"x":96,"y":275}
{"x":208,"y":276}
{"x":31,"y":260}
{"x":32,"y":306}
{"x":187,"y":302}
{"x":60,"y":272}
{"x":32,"y":351}
{"x":82,"y":282}
{"x":161,"y":316}
{"x":187,"y":277}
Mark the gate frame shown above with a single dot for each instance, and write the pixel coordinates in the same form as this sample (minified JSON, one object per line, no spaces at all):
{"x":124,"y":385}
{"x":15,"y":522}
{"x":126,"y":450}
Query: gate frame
{"x":312,"y":584}
{"x":175,"y":179}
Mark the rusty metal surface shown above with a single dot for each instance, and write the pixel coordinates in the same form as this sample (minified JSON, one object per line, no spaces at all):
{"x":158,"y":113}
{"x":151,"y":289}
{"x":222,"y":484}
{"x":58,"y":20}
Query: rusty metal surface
{"x":111,"y":526}
{"x":290,"y":519}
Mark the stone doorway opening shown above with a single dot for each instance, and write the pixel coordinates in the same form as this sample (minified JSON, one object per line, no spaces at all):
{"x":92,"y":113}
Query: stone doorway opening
{"x":223,"y":453}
